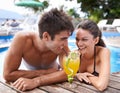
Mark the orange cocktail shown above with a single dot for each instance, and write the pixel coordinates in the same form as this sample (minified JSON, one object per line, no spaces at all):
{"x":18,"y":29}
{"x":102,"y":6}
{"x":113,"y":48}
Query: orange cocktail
{"x":71,"y":64}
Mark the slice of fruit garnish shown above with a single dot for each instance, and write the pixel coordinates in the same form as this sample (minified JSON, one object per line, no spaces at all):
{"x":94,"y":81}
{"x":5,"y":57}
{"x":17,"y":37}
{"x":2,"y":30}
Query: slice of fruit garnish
{"x":73,"y":55}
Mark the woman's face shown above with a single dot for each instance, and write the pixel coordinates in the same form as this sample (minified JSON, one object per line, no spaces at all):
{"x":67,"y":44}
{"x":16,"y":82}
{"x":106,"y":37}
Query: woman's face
{"x":85,"y":41}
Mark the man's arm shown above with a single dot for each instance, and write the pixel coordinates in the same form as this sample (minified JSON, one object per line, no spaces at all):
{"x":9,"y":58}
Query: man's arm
{"x":27,"y":84}
{"x":14,"y":75}
{"x":13,"y":59}
{"x":51,"y":78}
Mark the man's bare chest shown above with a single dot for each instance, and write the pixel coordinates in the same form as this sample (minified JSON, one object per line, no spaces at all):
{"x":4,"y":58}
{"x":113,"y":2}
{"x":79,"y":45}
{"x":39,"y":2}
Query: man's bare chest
{"x":37,"y":59}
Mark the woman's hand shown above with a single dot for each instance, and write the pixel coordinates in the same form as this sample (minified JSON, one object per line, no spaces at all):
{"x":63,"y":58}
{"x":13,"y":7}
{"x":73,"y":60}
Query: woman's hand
{"x":25,"y":84}
{"x":83,"y":77}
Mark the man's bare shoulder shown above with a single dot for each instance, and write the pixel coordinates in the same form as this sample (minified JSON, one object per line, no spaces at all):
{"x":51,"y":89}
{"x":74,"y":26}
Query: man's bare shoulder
{"x":25,"y":34}
{"x":23,"y":41}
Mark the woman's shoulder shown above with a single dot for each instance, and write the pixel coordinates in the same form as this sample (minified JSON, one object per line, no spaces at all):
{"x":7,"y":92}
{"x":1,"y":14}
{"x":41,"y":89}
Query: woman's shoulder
{"x":101,"y":50}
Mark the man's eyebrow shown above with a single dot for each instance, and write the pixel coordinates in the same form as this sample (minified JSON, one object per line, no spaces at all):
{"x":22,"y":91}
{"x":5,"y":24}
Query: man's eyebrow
{"x":64,"y":37}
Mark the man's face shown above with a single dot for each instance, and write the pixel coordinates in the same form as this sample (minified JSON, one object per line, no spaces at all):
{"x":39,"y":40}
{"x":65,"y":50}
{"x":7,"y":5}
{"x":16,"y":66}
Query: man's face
{"x":59,"y":42}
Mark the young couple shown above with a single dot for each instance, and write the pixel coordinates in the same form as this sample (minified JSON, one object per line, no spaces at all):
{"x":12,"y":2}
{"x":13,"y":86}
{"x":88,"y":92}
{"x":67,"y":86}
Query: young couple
{"x":39,"y":51}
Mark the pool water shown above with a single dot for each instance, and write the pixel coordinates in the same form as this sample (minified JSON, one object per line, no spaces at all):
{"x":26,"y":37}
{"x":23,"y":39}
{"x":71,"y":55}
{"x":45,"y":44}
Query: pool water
{"x":114,"y":60}
{"x":110,"y":34}
{"x":2,"y":55}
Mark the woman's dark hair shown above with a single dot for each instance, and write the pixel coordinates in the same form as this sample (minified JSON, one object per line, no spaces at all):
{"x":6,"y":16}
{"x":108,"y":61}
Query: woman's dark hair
{"x":93,"y":29}
{"x":54,"y":22}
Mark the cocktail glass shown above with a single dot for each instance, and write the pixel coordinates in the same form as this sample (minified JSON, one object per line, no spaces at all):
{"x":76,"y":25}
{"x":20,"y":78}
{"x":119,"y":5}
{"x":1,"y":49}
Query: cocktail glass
{"x":71,"y":63}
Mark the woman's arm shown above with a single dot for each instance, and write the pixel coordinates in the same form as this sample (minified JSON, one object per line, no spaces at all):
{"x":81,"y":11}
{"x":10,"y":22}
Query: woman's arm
{"x":101,"y":82}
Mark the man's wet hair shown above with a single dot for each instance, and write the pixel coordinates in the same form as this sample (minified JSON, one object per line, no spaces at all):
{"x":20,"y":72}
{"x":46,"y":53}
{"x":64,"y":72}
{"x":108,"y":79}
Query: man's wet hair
{"x":54,"y":22}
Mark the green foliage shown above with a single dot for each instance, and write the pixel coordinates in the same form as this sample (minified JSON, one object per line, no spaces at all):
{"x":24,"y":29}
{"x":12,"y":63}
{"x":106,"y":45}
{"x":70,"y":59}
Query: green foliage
{"x":100,"y":9}
{"x":39,"y":9}
{"x":72,"y":12}
{"x":45,"y":3}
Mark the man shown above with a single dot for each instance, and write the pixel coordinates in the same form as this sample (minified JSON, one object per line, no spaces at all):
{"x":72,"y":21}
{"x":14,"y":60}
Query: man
{"x":39,"y":52}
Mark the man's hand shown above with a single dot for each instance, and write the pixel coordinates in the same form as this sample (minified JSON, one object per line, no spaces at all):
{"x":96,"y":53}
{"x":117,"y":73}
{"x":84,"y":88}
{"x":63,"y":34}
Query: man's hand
{"x":84,"y":77}
{"x":25,"y":84}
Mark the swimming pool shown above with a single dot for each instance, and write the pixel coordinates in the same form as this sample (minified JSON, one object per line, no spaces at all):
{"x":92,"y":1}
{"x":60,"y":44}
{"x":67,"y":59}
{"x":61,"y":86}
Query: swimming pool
{"x":4,"y":43}
{"x":111,"y":34}
{"x":114,"y":60}
{"x":2,"y":55}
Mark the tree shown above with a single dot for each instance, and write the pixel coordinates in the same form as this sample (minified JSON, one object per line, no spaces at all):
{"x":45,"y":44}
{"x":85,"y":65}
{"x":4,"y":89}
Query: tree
{"x":72,"y":12}
{"x":100,"y":9}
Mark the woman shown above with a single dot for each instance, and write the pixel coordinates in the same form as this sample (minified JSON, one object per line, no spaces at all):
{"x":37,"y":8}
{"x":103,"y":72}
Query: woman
{"x":95,"y":56}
